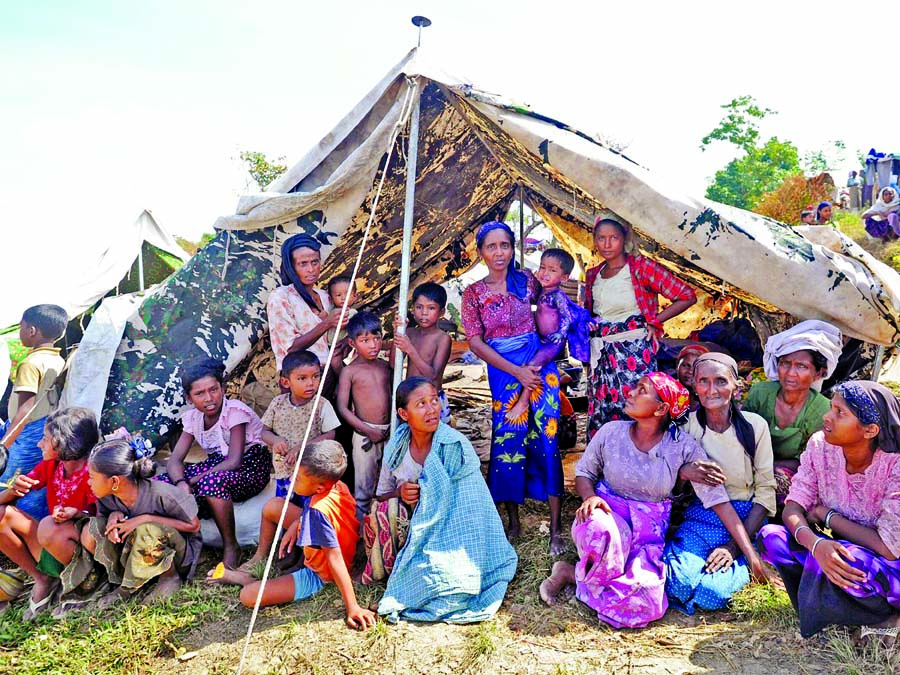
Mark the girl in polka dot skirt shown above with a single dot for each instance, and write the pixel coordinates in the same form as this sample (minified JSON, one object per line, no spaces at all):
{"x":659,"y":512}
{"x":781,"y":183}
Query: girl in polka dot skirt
{"x":238,"y":464}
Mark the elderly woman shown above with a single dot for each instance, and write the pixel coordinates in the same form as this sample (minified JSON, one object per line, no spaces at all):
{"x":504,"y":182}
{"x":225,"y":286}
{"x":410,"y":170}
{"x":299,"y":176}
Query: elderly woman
{"x":456,"y":563}
{"x":849,"y":485}
{"x":300,"y":315}
{"x":500,"y":327}
{"x":796,"y":361}
{"x":883,"y":219}
{"x":626,"y":478}
{"x":623,"y":293}
{"x":704,"y":564}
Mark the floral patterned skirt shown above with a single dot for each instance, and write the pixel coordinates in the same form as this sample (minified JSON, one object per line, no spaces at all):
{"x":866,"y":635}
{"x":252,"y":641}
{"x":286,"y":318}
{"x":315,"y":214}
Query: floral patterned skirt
{"x":617,"y":371}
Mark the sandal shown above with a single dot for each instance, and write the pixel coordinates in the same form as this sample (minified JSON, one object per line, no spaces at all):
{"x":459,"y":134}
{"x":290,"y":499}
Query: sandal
{"x":41,"y":606}
{"x":892,"y":632}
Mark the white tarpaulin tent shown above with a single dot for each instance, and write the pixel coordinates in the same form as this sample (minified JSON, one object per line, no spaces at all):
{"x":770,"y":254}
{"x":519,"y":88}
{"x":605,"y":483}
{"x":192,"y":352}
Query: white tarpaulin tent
{"x":99,"y":275}
{"x":477,"y":153}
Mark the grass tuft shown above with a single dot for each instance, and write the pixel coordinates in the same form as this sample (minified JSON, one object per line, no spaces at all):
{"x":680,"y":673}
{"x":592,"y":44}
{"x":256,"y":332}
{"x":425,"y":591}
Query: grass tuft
{"x":763,"y":604}
{"x":480,"y":646}
{"x":873,"y":659}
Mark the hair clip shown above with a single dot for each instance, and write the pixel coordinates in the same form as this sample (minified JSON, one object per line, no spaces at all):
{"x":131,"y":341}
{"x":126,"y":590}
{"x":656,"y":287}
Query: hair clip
{"x":141,"y":446}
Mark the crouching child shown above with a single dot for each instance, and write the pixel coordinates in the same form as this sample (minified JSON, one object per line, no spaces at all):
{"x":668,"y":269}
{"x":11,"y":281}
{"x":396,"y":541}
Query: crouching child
{"x":327,"y":529}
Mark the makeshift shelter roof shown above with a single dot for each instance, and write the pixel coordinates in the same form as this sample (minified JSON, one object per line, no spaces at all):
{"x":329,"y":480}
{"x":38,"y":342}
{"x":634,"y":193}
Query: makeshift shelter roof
{"x":115,"y":267}
{"x":476,"y":152}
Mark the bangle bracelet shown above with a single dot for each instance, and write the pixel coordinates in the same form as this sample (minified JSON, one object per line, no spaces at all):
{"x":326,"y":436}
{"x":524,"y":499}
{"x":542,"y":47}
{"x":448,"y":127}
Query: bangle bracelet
{"x":828,"y":516}
{"x":812,"y":551}
{"x":798,"y":530}
{"x":180,"y":480}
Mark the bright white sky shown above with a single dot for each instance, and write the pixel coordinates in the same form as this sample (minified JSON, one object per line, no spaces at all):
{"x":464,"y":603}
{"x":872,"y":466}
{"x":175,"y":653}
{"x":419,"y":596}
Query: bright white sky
{"x":112,"y":107}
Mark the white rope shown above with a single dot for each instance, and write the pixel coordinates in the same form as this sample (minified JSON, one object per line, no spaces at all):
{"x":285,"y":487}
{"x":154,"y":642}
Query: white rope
{"x":405,"y":110}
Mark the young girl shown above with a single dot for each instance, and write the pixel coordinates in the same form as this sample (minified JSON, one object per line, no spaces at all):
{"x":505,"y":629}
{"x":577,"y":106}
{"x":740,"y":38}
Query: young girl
{"x":238,"y":463}
{"x":69,"y":435}
{"x":144,"y":529}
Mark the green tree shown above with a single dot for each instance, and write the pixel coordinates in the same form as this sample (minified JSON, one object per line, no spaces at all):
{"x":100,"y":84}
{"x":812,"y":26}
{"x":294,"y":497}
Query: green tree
{"x":760,"y":167}
{"x":739,"y":126}
{"x":744,"y":180}
{"x":261,"y":170}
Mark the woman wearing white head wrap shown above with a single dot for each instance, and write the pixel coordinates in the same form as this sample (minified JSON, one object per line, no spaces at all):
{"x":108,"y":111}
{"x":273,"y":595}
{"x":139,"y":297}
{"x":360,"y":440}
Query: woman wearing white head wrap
{"x":796,"y":361}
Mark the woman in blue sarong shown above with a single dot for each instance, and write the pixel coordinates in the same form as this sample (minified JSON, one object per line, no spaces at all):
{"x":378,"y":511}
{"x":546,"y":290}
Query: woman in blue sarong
{"x":500,"y":326}
{"x":455,"y":563}
{"x":704,"y":564}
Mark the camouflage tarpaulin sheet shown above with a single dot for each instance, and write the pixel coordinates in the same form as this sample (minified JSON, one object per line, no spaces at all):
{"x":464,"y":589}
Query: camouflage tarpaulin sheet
{"x":475,"y":151}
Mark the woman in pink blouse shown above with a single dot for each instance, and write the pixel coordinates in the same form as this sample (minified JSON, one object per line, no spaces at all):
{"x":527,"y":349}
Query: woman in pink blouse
{"x":500,"y":327}
{"x":838,"y":552}
{"x":300,"y":315}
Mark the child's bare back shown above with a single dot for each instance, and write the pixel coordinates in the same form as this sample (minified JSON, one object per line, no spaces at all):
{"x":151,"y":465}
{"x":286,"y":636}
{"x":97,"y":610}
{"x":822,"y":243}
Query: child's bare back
{"x":370,"y":389}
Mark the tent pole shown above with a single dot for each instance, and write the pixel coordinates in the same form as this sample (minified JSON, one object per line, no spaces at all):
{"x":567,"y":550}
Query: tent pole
{"x":140,"y":262}
{"x":402,"y":305}
{"x":879,"y":361}
{"x":521,"y":227}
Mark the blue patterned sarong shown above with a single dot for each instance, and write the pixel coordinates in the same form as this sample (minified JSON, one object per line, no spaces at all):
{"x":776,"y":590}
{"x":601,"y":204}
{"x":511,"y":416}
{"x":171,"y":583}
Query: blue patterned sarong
{"x":525,"y":459}
{"x":456,"y":563}
{"x":687,"y":584}
{"x":24,"y":455}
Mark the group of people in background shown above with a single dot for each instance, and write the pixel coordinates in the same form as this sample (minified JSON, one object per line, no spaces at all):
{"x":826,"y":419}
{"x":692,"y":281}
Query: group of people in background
{"x":418,"y":506}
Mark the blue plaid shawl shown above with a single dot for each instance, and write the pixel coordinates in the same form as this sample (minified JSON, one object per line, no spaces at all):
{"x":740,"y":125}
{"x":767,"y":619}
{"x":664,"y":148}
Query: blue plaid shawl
{"x":456,"y":563}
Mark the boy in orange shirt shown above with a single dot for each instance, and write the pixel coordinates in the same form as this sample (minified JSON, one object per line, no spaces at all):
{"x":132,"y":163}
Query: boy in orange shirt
{"x":322,"y":517}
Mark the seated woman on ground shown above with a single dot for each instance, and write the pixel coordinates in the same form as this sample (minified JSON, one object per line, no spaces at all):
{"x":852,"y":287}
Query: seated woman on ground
{"x":626,"y":479}
{"x":883,"y":219}
{"x":849,"y":484}
{"x":456,"y":563}
{"x":796,"y":361}
{"x":238,"y":465}
{"x":144,"y":529}
{"x":704,"y":564}
{"x":69,"y":435}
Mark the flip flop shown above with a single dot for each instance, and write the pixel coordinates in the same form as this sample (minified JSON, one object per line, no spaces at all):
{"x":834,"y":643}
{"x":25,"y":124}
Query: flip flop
{"x":41,"y":606}
{"x":893,"y":631}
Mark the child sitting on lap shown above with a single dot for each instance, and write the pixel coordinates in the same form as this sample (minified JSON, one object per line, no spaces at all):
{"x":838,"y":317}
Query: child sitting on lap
{"x":366,"y":384}
{"x":238,"y":463}
{"x":338,"y":288}
{"x":144,"y":529}
{"x":323,"y":521}
{"x":558,"y":320}
{"x":288,"y":415}
{"x":69,"y":435}
{"x":426,"y":346}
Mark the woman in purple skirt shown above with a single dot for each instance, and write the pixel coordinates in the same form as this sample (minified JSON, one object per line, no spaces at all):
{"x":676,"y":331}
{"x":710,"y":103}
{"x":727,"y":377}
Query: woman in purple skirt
{"x":838,"y":552}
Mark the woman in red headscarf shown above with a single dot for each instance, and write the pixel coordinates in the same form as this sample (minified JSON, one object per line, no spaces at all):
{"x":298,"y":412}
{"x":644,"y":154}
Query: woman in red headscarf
{"x":626,"y":479}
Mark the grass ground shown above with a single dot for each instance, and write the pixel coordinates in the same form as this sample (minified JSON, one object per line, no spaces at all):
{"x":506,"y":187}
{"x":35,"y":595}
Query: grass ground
{"x":201,"y":632}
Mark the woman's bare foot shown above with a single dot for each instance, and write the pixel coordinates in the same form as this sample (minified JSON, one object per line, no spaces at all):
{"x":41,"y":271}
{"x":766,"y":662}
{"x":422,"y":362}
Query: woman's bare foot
{"x":562,"y":574}
{"x":166,"y":587}
{"x":514,"y":533}
{"x":227,"y":576}
{"x":558,"y":545}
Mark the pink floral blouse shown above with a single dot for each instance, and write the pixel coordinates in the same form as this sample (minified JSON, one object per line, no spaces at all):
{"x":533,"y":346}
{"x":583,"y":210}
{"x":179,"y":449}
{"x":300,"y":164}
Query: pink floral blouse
{"x":290,"y":317}
{"x":215,"y":439}
{"x":498,"y":315}
{"x":871,"y":498}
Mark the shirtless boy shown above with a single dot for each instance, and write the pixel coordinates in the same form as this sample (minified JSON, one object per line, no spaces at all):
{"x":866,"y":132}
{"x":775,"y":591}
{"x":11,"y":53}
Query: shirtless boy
{"x":426,"y":346}
{"x":365,"y":385}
